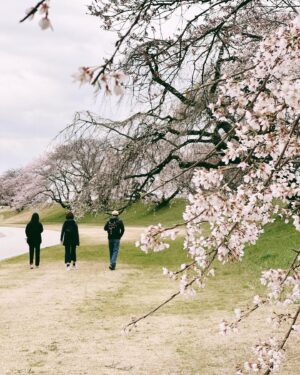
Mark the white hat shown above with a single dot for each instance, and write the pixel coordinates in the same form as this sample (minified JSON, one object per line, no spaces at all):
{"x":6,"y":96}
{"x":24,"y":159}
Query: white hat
{"x":115,"y":213}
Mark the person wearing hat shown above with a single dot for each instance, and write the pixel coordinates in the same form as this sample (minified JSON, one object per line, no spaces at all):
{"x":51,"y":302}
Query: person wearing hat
{"x":115,"y":230}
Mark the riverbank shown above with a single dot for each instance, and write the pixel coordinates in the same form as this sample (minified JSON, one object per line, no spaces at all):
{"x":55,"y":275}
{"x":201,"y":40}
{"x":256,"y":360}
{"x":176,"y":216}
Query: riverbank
{"x":13,"y":241}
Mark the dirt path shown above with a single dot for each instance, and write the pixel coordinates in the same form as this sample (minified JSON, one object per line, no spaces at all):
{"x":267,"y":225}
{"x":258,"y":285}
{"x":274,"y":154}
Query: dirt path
{"x":55,"y":322}
{"x":58,"y":322}
{"x":12,"y":239}
{"x":94,"y":233}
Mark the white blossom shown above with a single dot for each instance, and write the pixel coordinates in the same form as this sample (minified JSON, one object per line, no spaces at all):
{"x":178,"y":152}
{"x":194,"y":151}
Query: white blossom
{"x":45,"y":23}
{"x":257,"y":300}
{"x":237,"y":313}
{"x":296,"y":327}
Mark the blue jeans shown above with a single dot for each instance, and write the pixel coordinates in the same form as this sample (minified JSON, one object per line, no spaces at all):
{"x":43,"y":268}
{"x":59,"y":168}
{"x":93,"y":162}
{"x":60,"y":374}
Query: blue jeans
{"x":113,"y":251}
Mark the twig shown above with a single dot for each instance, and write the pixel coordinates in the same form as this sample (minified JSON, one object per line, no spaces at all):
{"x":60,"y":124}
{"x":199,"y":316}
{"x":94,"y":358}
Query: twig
{"x":33,"y":10}
{"x":135,"y":321}
{"x":114,"y":366}
{"x":286,"y":337}
{"x":263,"y":302}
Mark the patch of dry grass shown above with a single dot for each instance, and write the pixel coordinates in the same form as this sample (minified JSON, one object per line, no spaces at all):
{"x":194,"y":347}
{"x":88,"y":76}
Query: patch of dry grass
{"x":57,"y":323}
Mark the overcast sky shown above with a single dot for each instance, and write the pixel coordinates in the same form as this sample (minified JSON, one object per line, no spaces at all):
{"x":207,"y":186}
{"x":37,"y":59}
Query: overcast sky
{"x":38,"y":95}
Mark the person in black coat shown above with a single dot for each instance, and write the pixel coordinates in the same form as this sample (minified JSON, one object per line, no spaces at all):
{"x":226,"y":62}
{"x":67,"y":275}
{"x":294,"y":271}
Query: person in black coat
{"x":115,"y":230}
{"x":33,"y":232}
{"x":70,"y":239}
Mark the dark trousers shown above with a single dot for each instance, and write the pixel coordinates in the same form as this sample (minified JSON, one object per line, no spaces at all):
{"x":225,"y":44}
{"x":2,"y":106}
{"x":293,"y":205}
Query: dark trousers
{"x":34,"y":252}
{"x":70,"y":253}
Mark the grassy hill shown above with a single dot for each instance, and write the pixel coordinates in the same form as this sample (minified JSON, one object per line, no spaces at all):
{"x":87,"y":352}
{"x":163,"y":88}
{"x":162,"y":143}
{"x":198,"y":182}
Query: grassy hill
{"x":274,"y":248}
{"x":138,"y":214}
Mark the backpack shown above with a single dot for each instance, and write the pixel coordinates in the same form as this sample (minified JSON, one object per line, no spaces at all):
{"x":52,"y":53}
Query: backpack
{"x":113,"y":227}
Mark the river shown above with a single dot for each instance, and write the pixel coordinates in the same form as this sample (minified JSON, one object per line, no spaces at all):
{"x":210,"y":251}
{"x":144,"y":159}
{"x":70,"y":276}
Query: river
{"x":13,"y":241}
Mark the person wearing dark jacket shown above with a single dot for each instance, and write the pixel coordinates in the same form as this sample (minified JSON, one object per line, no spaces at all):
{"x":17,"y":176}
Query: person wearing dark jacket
{"x":115,"y":230}
{"x":70,"y":239}
{"x":33,"y":232}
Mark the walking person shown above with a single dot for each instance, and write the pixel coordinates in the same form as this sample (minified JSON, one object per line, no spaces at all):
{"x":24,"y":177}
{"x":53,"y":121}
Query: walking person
{"x":33,"y":232}
{"x":70,"y":239}
{"x":115,"y":230}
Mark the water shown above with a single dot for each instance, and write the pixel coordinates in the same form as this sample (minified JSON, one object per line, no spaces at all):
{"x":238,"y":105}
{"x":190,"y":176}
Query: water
{"x":13,"y":241}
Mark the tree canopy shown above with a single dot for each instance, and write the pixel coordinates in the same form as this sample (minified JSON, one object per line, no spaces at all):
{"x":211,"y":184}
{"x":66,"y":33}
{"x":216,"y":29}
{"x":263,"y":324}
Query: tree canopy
{"x":216,"y":89}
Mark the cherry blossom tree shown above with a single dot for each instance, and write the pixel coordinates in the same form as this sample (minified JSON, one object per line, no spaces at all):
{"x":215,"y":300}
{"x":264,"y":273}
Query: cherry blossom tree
{"x":225,"y":77}
{"x":171,"y":56}
{"x":74,"y":175}
{"x":263,"y":108}
{"x":8,"y":186}
{"x":22,"y":187}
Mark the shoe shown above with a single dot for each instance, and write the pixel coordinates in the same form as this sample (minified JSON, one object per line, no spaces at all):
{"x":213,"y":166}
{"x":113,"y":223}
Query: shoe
{"x":31,"y":266}
{"x":74,"y":267}
{"x":68,"y":267}
{"x":111,"y":268}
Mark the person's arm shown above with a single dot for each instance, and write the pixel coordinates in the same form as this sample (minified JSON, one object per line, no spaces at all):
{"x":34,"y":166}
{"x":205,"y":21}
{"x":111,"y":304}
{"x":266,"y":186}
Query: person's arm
{"x":106,"y":226}
{"x":62,"y":232}
{"x":122,"y":229}
{"x":77,"y":234}
{"x":41,"y":228}
{"x":27,"y":230}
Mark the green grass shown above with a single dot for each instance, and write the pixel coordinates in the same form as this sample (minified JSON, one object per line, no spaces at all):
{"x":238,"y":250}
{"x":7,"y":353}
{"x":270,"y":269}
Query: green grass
{"x":139,"y":214}
{"x":273,"y":250}
{"x":235,"y":281}
{"x":7,"y":214}
{"x":275,"y":247}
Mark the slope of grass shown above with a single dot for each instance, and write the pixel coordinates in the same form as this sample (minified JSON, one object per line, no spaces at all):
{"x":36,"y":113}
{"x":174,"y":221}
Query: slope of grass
{"x":273,"y":250}
{"x":139,"y":214}
{"x":275,"y":247}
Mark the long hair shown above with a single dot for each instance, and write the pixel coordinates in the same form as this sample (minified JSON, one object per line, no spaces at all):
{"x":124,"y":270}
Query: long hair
{"x":35,"y":218}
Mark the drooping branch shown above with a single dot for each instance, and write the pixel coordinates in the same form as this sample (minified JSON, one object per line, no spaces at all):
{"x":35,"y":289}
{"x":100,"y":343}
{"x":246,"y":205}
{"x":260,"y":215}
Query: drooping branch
{"x":32,"y":10}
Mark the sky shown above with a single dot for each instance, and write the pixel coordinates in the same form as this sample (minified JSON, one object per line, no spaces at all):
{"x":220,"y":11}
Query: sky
{"x":38,"y":94}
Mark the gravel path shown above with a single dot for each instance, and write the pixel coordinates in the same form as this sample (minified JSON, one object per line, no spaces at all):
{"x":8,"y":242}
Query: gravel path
{"x":13,"y":241}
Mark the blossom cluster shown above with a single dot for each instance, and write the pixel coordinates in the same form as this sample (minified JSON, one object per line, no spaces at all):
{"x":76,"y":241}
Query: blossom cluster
{"x":268,"y":354}
{"x":264,"y":117}
{"x":112,"y":83}
{"x":154,"y":238}
{"x":43,"y":10}
{"x":283,"y":289}
{"x":262,"y":108}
